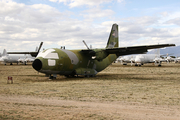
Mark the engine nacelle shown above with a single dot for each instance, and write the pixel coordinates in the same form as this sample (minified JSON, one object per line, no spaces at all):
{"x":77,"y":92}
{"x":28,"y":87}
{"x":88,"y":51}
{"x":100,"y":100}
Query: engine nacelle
{"x":99,"y":55}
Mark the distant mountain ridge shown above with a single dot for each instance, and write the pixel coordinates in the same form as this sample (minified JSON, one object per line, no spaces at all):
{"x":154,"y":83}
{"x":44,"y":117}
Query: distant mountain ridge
{"x":173,"y":51}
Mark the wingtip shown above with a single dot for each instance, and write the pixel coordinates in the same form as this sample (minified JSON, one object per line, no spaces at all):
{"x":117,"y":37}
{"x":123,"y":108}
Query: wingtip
{"x":172,"y":45}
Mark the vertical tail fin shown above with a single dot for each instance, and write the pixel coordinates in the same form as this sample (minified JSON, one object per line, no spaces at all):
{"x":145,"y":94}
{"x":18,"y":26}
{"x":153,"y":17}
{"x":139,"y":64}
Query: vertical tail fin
{"x":113,"y":40}
{"x":4,"y":53}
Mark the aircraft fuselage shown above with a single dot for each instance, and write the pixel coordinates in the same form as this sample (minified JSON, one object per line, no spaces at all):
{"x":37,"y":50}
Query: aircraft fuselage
{"x":70,"y":62}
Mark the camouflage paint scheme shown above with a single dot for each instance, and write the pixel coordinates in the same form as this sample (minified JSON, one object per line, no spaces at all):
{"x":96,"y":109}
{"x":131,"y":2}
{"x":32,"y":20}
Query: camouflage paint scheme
{"x":86,"y":62}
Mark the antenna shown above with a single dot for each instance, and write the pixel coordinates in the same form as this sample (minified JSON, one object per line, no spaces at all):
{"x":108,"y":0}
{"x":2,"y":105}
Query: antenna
{"x":86,"y":45}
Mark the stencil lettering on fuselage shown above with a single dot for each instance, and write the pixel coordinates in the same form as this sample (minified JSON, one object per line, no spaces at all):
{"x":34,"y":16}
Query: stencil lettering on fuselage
{"x":72,"y":56}
{"x":51,"y":62}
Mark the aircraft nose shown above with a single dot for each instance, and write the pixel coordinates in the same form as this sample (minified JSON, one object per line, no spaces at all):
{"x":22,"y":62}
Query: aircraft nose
{"x":37,"y":64}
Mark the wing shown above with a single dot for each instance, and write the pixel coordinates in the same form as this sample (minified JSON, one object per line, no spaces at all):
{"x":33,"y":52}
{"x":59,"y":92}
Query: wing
{"x":33,"y":54}
{"x":135,"y":49}
{"x":100,"y":54}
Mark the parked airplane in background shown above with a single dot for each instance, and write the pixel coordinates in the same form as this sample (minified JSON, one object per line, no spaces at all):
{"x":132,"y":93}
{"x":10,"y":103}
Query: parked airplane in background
{"x":169,"y":58}
{"x":6,"y":58}
{"x":149,"y":58}
{"x":177,"y":59}
{"x":26,"y":60}
{"x":126,"y":59}
{"x":87,"y":62}
{"x":141,"y":59}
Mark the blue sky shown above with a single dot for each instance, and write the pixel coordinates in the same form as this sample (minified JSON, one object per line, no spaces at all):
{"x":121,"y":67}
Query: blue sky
{"x":25,"y":23}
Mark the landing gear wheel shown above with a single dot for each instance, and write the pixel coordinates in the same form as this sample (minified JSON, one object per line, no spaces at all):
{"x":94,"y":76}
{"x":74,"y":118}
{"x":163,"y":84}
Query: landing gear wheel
{"x":51,"y":77}
{"x":159,"y":65}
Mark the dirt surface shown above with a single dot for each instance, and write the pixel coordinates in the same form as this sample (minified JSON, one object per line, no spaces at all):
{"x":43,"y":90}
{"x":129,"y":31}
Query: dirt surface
{"x":118,"y":92}
{"x":53,"y":108}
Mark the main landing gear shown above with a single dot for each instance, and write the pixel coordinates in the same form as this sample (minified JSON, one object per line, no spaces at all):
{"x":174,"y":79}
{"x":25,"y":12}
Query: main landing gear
{"x":52,"y":77}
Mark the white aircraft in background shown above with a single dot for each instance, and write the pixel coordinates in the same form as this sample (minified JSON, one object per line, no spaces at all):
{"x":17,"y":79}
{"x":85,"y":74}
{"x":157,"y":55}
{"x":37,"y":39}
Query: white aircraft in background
{"x":126,"y":59}
{"x":169,"y":58}
{"x":148,"y":58}
{"x":177,"y":59}
{"x":26,"y":60}
{"x":5,"y":58}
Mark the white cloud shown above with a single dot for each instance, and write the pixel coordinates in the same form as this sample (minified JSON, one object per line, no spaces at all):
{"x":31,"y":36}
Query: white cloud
{"x":175,"y":21}
{"x":148,"y":30}
{"x":25,"y":26}
{"x":53,"y":0}
{"x":97,"y":13}
{"x":76,"y":3}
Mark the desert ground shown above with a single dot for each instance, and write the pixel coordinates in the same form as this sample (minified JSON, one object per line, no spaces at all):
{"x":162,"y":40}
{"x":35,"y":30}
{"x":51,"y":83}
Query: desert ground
{"x":118,"y":92}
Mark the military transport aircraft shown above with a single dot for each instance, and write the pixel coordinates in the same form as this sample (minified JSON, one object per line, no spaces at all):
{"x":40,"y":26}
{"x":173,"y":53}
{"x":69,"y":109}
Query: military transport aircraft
{"x":86,"y":62}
